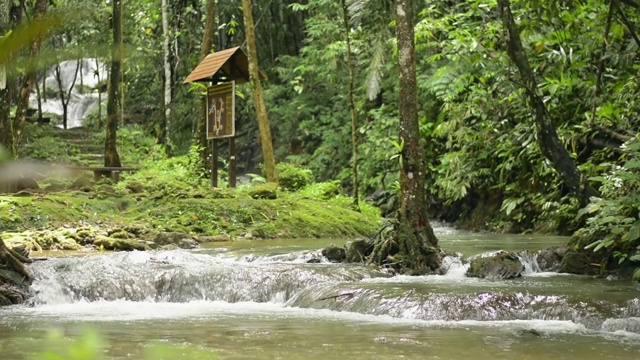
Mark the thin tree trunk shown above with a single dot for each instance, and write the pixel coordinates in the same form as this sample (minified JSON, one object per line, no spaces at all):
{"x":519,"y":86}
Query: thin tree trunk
{"x":99,"y":94}
{"x":65,"y":96}
{"x":111,"y":157}
{"x":164,"y":134}
{"x":258,"y":100}
{"x":414,"y":246}
{"x":352,"y":105}
{"x":547,"y":137}
{"x":207,"y":46}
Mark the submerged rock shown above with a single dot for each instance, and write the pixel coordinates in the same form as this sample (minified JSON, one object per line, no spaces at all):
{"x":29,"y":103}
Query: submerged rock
{"x":503,"y":265}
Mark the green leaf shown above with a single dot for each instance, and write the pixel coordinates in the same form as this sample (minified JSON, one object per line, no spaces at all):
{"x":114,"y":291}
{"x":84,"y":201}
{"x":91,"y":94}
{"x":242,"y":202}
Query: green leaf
{"x":632,"y":164}
{"x":634,"y":232}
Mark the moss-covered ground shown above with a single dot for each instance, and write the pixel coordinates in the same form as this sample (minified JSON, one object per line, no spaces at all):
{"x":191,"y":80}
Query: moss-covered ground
{"x":196,"y":213}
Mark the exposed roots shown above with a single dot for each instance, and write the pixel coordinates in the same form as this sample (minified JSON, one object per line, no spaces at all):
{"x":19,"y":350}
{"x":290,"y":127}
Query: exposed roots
{"x":15,"y":277}
{"x":406,"y":251}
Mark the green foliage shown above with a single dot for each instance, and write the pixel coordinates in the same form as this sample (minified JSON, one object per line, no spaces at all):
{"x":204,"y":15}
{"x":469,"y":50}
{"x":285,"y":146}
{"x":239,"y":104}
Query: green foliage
{"x":39,"y":144}
{"x":613,"y":225}
{"x":293,"y":178}
{"x":321,"y":191}
{"x":91,"y":345}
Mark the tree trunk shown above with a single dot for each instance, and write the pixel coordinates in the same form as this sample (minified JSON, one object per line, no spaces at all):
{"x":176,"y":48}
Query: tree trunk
{"x":29,"y":80}
{"x":164,"y":133}
{"x":6,"y":131}
{"x":547,"y":137}
{"x":99,"y":94}
{"x":207,"y":46}
{"x":413,"y":247}
{"x":258,"y":100}
{"x":111,"y":157}
{"x":352,"y":105}
{"x":65,"y":95}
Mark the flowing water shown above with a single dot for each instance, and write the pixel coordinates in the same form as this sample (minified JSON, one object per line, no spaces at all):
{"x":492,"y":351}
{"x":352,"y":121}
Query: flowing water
{"x":282,"y":300}
{"x":79,"y":74}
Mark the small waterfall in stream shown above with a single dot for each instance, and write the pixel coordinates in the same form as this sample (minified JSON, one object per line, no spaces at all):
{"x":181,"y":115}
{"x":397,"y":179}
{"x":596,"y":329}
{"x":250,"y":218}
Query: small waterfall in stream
{"x":305,"y":280}
{"x":84,"y":95}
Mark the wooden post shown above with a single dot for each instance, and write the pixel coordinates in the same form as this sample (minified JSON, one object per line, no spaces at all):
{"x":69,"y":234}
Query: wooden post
{"x":232,"y":162}
{"x":214,"y":163}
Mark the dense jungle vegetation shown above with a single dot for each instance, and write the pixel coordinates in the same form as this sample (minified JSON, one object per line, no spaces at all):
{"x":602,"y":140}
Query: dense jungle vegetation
{"x":528,"y":110}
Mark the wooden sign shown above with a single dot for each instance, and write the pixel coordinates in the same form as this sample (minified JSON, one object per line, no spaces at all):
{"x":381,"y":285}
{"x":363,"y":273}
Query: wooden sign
{"x":221,"y":113}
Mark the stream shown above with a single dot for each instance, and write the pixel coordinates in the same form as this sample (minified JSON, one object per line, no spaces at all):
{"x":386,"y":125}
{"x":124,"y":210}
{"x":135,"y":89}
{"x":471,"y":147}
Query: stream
{"x":279,"y":299}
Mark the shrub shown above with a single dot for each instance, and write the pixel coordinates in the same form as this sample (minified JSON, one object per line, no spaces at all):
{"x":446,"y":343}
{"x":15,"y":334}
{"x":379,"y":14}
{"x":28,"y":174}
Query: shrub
{"x":293,"y":178}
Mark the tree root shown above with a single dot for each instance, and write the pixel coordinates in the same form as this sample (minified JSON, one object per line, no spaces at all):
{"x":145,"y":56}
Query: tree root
{"x":15,"y":262}
{"x":404,"y":251}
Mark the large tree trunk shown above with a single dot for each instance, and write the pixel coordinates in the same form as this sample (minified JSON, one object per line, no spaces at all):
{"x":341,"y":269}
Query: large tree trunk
{"x":29,"y":81}
{"x":547,"y":137}
{"x":6,"y":130}
{"x":207,"y":46}
{"x":111,"y":157}
{"x":352,"y":105}
{"x":258,"y":100}
{"x":413,"y":247}
{"x":164,"y":133}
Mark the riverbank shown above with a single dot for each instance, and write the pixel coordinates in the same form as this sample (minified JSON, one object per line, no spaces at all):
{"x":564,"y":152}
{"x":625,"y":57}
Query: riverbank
{"x":130,"y":216}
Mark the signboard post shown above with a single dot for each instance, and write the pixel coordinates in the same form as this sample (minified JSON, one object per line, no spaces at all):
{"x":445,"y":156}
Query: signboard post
{"x":221,"y":124}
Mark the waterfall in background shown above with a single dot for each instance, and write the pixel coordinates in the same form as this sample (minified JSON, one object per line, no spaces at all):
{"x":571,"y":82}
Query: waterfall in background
{"x":80,"y":103}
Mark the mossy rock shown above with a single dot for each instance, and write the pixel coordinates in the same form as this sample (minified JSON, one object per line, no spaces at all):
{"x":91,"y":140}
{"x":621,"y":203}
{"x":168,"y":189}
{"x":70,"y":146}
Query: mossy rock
{"x":334,"y":253}
{"x":135,"y":187}
{"x":179,"y":239}
{"x":120,"y":234}
{"x":636,"y":275}
{"x":83,"y":183}
{"x":502,"y":265}
{"x":84,"y":236}
{"x":109,"y":243}
{"x":219,"y":193}
{"x":265,"y":191}
{"x":577,"y":262}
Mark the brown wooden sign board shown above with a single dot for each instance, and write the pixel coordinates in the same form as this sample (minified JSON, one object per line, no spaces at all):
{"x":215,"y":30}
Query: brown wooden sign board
{"x":221,"y":112}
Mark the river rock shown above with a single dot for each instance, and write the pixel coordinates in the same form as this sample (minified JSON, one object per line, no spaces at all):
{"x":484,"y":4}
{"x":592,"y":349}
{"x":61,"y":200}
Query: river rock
{"x":502,"y":265}
{"x":334,"y":253}
{"x":181,"y":240}
{"x":549,"y":259}
{"x":575,"y":262}
{"x":213,"y":238}
{"x":357,"y":250}
{"x":109,"y":243}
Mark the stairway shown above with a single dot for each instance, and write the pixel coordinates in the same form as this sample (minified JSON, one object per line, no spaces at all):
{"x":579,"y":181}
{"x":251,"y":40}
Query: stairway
{"x":91,"y":151}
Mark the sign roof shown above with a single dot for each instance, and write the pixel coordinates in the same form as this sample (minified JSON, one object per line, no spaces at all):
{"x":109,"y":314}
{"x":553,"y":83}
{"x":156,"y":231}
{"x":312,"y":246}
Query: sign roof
{"x":222,"y":66}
